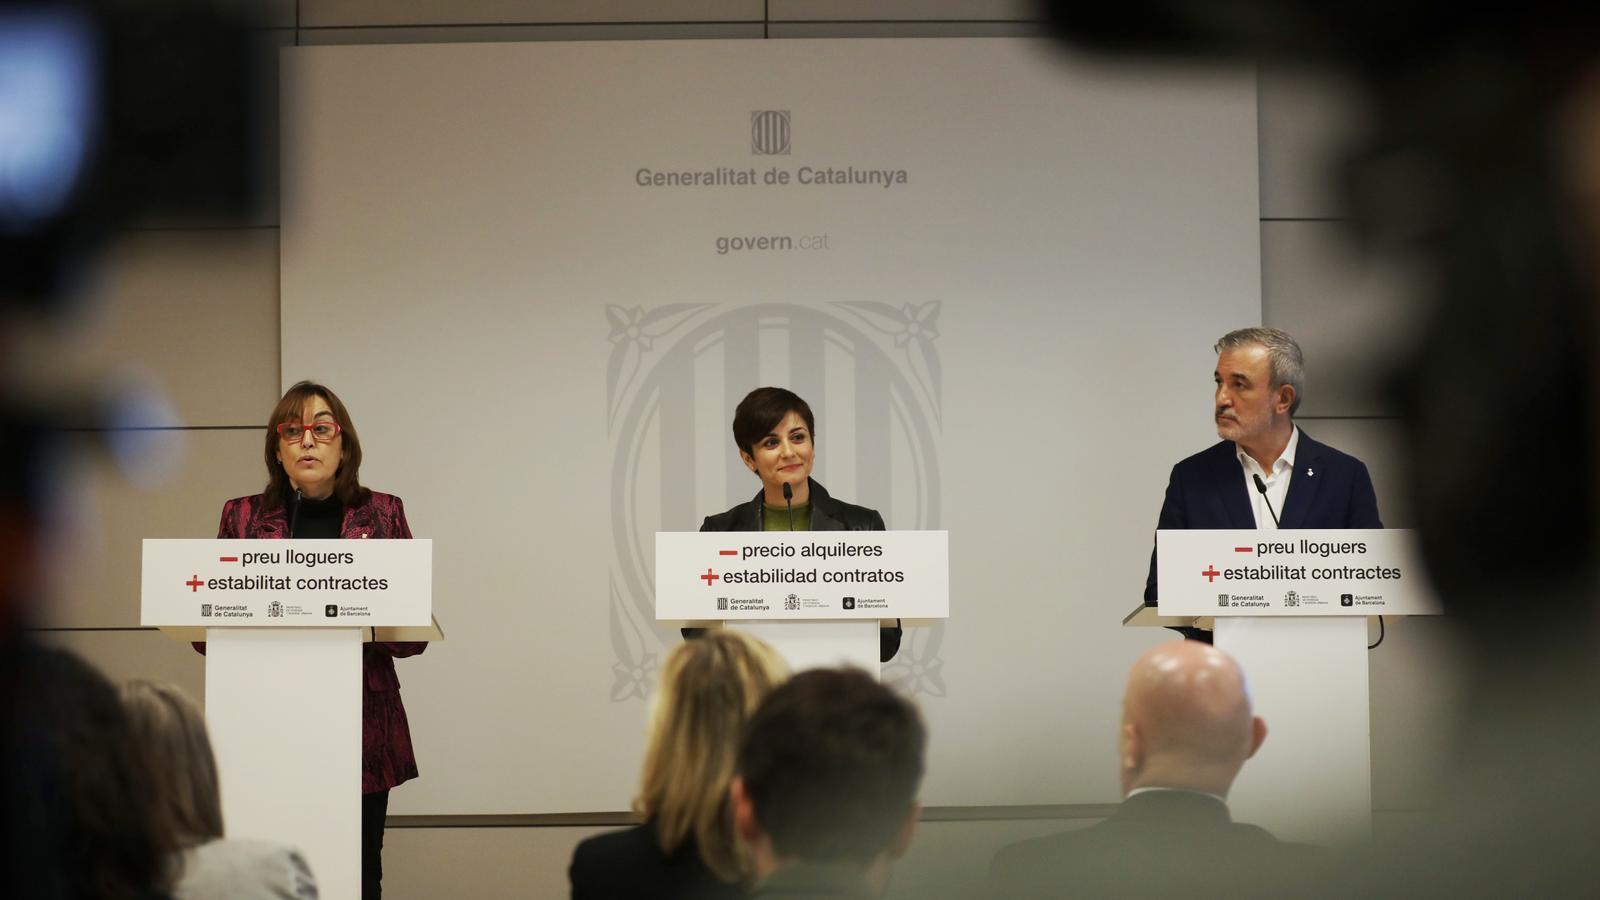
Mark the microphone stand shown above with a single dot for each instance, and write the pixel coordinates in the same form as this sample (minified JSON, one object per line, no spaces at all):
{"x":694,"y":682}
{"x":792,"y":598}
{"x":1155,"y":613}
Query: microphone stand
{"x":1261,"y":488}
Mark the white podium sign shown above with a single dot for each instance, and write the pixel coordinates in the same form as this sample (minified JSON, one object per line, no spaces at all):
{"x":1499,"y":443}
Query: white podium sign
{"x":802,"y":575}
{"x":1292,"y":607}
{"x":299,"y":584}
{"x":1344,"y":572}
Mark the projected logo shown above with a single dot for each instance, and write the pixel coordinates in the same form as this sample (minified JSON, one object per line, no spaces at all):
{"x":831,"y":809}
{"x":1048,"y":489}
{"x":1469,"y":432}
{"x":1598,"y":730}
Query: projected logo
{"x":674,"y":373}
{"x":769,"y":132}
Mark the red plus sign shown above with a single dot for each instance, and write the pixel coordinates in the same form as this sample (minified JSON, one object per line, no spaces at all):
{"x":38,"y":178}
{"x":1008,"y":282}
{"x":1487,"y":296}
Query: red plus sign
{"x":1211,"y":573}
{"x":194,"y":584}
{"x":709,"y":577}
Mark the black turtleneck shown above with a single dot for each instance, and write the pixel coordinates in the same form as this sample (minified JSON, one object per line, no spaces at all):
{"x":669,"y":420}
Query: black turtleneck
{"x":319,"y":518}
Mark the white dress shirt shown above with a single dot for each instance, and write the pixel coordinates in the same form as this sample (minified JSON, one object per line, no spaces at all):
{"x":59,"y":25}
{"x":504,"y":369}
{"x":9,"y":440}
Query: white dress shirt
{"x":1147,"y":790}
{"x":1277,"y":480}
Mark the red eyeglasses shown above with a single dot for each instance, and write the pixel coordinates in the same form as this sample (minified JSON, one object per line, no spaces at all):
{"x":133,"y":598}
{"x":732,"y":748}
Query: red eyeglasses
{"x":294,"y":432}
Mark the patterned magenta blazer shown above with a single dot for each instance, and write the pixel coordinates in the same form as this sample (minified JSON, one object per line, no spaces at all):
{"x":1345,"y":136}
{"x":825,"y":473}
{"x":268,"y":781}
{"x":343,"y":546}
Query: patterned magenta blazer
{"x":386,"y":755}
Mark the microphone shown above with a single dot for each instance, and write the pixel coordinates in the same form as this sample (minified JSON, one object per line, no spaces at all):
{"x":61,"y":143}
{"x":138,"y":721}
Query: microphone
{"x":788,"y":502}
{"x":294,"y":511}
{"x":1261,"y":488}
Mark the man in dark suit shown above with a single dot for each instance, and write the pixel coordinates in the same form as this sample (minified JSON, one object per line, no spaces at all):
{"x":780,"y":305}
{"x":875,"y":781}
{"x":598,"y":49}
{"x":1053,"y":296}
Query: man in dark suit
{"x":825,"y":790}
{"x":1187,"y":729}
{"x":1265,"y":472}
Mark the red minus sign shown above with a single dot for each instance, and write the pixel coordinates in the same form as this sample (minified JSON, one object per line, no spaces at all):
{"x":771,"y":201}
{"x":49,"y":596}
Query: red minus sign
{"x":227,"y":559}
{"x":1243,"y":549}
{"x":727,"y":553}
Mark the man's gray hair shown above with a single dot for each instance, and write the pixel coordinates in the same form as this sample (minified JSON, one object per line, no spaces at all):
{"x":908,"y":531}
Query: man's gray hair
{"x":1287,"y":363}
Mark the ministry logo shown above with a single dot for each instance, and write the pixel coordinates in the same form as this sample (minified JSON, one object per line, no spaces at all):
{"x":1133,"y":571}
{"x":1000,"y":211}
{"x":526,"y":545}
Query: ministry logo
{"x":274,"y":610}
{"x":769,"y":132}
{"x":1291,"y":599}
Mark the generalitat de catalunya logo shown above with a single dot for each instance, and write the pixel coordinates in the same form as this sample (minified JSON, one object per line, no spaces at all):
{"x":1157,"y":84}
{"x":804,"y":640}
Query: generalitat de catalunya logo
{"x":769,"y":132}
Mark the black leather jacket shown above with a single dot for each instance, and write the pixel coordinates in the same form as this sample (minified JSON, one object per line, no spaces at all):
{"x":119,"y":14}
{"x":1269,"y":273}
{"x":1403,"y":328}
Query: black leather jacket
{"x":827,"y":514}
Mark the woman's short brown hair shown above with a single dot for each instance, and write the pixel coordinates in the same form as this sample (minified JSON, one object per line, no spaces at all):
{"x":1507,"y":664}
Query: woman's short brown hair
{"x":761,"y":410}
{"x":709,"y":688}
{"x":174,"y":751}
{"x":346,"y":482}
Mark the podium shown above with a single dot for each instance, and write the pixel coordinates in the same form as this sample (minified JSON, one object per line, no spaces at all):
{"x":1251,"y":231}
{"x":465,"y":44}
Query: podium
{"x":284,"y":623}
{"x":1292,"y":607}
{"x":815,"y":596}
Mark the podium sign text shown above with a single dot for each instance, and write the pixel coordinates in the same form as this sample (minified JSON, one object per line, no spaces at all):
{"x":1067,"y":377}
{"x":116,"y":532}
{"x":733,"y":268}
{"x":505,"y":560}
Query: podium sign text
{"x":301,"y":584}
{"x":802,"y":575}
{"x":1344,"y":572}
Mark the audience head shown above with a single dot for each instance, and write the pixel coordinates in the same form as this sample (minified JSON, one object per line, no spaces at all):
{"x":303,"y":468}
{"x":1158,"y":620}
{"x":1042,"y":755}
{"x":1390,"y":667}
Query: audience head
{"x":708,"y":689}
{"x":72,"y":781}
{"x":1186,"y":720}
{"x":828,"y":772}
{"x":170,"y":742}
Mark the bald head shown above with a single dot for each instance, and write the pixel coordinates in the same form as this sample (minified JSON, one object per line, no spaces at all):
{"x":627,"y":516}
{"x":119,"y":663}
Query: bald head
{"x":1186,"y":720}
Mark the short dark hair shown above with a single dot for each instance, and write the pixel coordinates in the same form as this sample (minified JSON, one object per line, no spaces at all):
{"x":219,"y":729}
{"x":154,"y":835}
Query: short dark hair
{"x":761,"y":410}
{"x":831,"y":762}
{"x":346,"y":482}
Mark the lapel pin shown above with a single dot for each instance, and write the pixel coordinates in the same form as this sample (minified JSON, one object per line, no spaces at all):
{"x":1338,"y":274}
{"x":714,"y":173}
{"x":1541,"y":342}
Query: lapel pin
{"x":1309,"y":473}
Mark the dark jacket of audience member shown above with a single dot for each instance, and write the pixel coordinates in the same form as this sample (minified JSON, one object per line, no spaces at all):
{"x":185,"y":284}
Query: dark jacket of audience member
{"x":1187,"y":730}
{"x":686,"y":847}
{"x":1157,"y":844}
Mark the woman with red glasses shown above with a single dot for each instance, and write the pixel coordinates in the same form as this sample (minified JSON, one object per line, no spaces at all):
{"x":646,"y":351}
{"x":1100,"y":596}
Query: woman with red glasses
{"x":313,"y":457}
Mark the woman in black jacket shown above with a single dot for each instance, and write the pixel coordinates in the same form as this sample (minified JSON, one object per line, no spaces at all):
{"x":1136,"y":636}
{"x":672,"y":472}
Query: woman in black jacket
{"x":776,"y":436}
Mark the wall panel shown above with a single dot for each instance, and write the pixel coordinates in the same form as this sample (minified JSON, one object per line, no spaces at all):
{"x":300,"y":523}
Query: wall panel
{"x":140,"y":653}
{"x":97,"y":567}
{"x":846,"y":29}
{"x":1355,"y":316}
{"x":193,"y":312}
{"x":477,"y":34}
{"x":903,"y":10}
{"x":349,"y":13}
{"x":1305,"y":122}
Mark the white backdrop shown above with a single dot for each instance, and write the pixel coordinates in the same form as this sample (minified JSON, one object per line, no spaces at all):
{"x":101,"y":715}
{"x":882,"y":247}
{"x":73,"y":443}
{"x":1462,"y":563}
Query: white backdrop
{"x":1010,"y":340}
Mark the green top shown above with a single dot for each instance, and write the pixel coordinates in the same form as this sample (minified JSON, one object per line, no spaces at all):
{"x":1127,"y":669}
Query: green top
{"x":776,"y":518}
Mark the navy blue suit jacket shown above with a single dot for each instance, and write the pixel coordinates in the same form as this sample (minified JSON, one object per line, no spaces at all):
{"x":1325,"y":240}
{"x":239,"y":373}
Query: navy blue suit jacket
{"x":1207,"y":490}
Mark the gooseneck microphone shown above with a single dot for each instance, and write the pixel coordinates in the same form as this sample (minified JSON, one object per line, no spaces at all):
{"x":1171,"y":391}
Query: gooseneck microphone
{"x":788,"y":502}
{"x":1261,"y":488}
{"x":294,"y":511}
